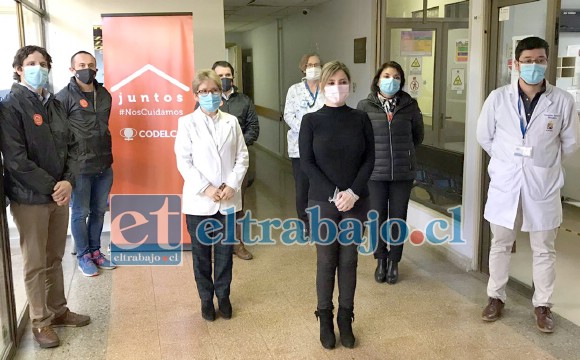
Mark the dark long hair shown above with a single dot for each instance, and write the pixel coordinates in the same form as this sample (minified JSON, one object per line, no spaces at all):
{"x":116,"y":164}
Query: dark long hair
{"x":389,"y":64}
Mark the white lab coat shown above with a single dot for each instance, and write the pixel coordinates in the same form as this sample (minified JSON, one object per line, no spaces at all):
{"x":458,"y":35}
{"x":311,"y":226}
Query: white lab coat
{"x":553,"y":132}
{"x":202,"y":162}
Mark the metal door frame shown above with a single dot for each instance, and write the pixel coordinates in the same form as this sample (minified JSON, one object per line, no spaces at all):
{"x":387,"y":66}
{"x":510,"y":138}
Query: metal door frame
{"x":449,"y":25}
{"x":437,"y":27}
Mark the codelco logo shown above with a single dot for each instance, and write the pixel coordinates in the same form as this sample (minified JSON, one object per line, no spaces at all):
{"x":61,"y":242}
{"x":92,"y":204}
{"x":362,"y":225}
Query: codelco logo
{"x":130,"y":134}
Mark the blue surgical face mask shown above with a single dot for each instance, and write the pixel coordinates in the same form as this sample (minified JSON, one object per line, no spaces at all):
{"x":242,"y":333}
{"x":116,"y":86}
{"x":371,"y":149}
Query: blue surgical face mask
{"x":389,"y":86}
{"x":210,"y":102}
{"x":36,"y":76}
{"x":532,"y":73}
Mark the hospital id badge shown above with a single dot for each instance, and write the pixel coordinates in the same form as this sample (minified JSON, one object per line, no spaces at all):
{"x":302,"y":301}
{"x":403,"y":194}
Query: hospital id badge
{"x":524,"y":151}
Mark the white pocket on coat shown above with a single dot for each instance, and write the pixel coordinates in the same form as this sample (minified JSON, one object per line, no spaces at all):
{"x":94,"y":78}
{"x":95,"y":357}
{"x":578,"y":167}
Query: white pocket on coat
{"x":543,"y":182}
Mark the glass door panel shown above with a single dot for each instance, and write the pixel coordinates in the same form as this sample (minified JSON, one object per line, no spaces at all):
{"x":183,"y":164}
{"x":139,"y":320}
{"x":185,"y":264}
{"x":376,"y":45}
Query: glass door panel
{"x":414,"y":49}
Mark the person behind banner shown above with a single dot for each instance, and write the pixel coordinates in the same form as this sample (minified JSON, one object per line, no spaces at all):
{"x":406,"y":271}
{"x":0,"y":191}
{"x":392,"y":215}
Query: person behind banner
{"x":39,"y":173}
{"x":88,"y":107}
{"x":212,"y":158}
{"x":242,"y":107}
{"x":337,"y":153}
{"x":302,"y":98}
{"x":527,"y":127}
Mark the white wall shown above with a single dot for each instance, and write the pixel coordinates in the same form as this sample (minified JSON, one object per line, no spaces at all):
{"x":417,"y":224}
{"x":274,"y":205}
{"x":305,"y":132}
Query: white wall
{"x":71,"y":28}
{"x":330,"y":30}
{"x":10,"y":44}
{"x":264,"y":44}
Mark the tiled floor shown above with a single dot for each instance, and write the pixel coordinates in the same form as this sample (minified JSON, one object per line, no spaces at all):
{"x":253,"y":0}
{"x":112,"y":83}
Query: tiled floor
{"x":432,"y":313}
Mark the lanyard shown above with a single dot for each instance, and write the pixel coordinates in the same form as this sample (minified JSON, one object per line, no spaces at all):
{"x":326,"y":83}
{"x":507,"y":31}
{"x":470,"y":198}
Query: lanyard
{"x":523,"y":124}
{"x":313,"y":96}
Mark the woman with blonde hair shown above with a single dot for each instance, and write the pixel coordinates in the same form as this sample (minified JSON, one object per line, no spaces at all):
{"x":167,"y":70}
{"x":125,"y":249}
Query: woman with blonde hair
{"x":337,"y":153}
{"x":302,"y":98}
{"x":212,"y":158}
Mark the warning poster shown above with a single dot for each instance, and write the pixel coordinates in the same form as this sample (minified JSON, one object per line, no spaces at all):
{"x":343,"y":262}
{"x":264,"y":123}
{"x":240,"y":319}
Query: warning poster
{"x":461,"y":51}
{"x":415,"y":86}
{"x":458,"y":79}
{"x":416,"y":43}
{"x":416,"y":67}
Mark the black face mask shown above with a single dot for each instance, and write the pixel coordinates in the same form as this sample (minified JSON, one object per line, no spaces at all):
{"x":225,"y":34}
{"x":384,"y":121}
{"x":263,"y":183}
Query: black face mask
{"x":86,"y":76}
{"x":227,"y":84}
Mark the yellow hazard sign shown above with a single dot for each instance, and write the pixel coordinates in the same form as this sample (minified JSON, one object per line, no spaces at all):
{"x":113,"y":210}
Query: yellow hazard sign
{"x":458,"y":80}
{"x":416,"y":67}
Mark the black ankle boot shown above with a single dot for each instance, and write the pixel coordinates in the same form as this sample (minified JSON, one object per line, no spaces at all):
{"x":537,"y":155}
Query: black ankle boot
{"x":327,"y":337}
{"x":381,"y":270}
{"x":344,"y":319}
{"x":207,"y":310}
{"x":225,"y":308}
{"x":393,"y":272}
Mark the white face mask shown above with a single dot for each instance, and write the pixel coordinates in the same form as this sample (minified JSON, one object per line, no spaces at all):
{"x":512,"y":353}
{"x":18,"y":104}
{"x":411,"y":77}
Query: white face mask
{"x":313,"y":73}
{"x":336,"y":94}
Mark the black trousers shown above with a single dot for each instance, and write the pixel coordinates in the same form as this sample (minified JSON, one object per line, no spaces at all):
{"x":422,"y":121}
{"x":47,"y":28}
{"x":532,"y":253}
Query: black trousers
{"x":302,"y":186}
{"x":202,"y":266}
{"x":391,"y":200}
{"x":336,"y":259}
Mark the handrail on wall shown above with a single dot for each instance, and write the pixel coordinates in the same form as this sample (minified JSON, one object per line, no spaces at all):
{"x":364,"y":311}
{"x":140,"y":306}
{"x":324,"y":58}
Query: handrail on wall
{"x":268,"y":113}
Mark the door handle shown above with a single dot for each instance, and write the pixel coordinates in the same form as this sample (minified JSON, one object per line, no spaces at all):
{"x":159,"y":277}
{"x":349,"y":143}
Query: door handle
{"x":442,"y":119}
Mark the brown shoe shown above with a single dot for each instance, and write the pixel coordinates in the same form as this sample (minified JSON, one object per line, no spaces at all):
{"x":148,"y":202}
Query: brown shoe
{"x":242,"y":252}
{"x":46,"y":337}
{"x":493,"y":310}
{"x":71,"y":319}
{"x":544,"y":319}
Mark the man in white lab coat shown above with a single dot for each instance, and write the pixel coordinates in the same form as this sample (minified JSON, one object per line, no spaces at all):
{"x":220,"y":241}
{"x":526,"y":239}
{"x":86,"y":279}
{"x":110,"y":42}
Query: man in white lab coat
{"x":527,"y":128}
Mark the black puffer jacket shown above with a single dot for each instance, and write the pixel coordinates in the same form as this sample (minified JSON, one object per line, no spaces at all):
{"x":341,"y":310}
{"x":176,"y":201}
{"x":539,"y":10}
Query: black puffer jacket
{"x":89,"y":126}
{"x":241,"y":106}
{"x":36,"y":146}
{"x":395,"y":142}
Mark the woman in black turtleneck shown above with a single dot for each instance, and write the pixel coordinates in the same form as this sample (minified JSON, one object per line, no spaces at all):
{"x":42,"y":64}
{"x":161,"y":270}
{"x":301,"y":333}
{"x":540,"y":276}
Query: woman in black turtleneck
{"x":337,"y":154}
{"x":398,"y":128}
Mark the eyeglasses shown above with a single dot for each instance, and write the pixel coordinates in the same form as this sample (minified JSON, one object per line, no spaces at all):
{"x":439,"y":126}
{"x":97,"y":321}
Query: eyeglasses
{"x":308,"y":66}
{"x":205,"y":92}
{"x":542,"y":61}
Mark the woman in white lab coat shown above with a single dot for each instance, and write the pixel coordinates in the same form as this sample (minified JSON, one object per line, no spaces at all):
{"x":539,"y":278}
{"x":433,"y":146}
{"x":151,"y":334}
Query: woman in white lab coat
{"x":526,"y":127}
{"x":212,"y":158}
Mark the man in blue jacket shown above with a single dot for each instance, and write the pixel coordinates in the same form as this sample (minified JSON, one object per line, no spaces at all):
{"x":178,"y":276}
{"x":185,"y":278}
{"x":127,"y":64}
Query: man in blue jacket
{"x":88,"y":107}
{"x":39,"y":170}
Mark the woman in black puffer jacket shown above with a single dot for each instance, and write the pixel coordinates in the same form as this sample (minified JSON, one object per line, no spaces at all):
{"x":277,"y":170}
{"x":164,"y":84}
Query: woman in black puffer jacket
{"x":398,"y":129}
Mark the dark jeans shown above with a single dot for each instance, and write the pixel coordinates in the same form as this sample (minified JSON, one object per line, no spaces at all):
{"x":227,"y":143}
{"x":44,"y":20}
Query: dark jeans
{"x":202,"y":266}
{"x":333,"y":257}
{"x":302,"y":186}
{"x":390,"y":199}
{"x":89,"y":199}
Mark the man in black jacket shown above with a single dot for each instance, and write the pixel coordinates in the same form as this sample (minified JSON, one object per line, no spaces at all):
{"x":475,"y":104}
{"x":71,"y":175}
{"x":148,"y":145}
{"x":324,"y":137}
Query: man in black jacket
{"x":241,"y":106}
{"x":88,"y":107}
{"x":39,"y":175}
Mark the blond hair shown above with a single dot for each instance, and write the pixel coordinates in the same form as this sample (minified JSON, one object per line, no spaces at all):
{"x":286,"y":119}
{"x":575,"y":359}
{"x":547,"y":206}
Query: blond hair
{"x":330,"y":69}
{"x":304,"y":60}
{"x":204,"y":75}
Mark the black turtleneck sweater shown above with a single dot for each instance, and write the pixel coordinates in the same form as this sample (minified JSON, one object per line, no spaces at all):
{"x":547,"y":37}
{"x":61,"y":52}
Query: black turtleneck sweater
{"x":337,"y":149}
